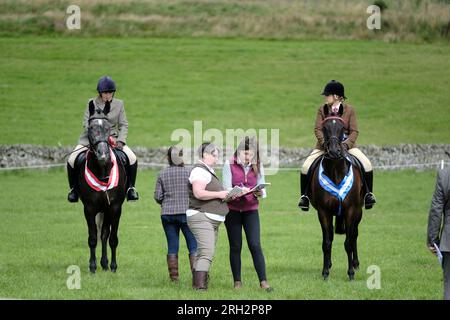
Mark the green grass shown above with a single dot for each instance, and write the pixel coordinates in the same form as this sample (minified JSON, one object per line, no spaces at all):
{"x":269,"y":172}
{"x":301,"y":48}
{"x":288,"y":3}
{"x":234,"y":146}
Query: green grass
{"x":403,"y":20}
{"x":42,"y":234}
{"x":398,"y":90}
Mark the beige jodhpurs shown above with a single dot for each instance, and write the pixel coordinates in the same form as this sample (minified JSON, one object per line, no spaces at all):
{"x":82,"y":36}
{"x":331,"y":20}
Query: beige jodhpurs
{"x":130,"y":154}
{"x":353,"y":151}
{"x":205,"y":231}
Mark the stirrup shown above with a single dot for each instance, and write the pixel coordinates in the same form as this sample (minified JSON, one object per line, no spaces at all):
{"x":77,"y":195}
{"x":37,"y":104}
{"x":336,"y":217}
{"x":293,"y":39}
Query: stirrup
{"x":302,"y":205}
{"x":132,"y":194}
{"x":72,"y":196}
{"x":369,"y":205}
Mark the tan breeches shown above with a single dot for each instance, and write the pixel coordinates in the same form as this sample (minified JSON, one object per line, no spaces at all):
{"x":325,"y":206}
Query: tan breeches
{"x":353,"y":151}
{"x":79,"y":148}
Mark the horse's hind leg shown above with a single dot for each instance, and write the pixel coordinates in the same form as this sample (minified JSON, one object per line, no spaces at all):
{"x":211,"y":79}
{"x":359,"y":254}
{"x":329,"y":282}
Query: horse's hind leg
{"x":92,"y":239}
{"x":113,"y":238}
{"x":106,"y":226}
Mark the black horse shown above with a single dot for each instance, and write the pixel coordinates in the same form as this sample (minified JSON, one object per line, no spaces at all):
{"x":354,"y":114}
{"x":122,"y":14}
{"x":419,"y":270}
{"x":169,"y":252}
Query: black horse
{"x":105,"y":171}
{"x":336,"y":166}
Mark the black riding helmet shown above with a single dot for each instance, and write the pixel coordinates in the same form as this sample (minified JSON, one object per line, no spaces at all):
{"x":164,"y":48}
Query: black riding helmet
{"x":106,"y":84}
{"x":334,"y":87}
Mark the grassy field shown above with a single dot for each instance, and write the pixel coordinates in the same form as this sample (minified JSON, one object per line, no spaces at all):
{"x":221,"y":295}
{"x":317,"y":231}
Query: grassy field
{"x":401,"y":20}
{"x":399,"y":90}
{"x":42,"y":234}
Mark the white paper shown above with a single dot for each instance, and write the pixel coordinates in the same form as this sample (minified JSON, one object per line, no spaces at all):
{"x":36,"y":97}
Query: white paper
{"x":438,"y":253}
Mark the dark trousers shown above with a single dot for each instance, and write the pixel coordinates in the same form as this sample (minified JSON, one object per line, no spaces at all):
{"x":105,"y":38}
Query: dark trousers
{"x":172,"y":225}
{"x":446,"y":265}
{"x":249,"y":220}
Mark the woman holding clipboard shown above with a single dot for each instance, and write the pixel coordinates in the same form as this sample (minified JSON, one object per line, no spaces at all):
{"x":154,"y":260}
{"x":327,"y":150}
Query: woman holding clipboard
{"x":245,"y":170}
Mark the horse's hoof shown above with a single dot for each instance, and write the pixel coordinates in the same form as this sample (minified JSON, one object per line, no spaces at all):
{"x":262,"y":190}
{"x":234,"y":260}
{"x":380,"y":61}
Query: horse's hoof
{"x":113,"y":267}
{"x":104,"y":265}
{"x":351,"y":277}
{"x":325,"y":275}
{"x":92,"y":267}
{"x":113,"y":270}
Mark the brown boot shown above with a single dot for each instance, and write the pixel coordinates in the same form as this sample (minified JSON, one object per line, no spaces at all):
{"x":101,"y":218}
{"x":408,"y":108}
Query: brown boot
{"x":200,"y":280}
{"x":192,"y":258}
{"x":172,"y":263}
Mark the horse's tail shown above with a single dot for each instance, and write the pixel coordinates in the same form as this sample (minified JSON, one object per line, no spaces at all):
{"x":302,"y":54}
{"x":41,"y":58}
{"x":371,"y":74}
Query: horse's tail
{"x":340,"y":224}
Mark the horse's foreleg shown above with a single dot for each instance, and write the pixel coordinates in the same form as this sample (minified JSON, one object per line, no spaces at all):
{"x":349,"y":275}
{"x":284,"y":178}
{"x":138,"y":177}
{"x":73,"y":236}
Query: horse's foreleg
{"x":349,"y":244}
{"x":327,"y":242}
{"x":92,"y":239}
{"x":106,"y":225}
{"x":113,"y":238}
{"x":348,"y":249}
{"x":355,"y":241}
{"x":355,"y":250}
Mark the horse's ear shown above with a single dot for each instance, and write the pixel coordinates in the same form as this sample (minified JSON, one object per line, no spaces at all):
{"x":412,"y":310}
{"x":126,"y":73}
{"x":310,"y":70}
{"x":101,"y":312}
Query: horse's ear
{"x":91,"y":108}
{"x":341,"y":110}
{"x":325,"y":110}
{"x":107,"y":108}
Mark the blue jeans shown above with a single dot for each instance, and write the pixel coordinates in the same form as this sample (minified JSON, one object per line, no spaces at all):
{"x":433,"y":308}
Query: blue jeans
{"x":172,"y":225}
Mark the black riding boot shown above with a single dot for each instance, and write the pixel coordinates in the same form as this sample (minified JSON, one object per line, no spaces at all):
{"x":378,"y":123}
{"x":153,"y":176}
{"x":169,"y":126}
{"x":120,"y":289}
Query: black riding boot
{"x":369,"y":198}
{"x":132,"y":194}
{"x":304,"y":200}
{"x":72,"y":175}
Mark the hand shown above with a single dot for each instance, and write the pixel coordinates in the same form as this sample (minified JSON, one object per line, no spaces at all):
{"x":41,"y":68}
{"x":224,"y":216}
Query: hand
{"x":432,"y":249}
{"x":258,"y":193}
{"x":112,"y":141}
{"x":345,"y":146}
{"x":245,"y":190}
{"x":120,"y":145}
{"x":222,"y":194}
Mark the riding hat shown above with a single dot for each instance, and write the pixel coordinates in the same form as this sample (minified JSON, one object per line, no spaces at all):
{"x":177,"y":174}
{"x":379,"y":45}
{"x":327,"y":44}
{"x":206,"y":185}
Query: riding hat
{"x":106,"y":84}
{"x":334,"y":87}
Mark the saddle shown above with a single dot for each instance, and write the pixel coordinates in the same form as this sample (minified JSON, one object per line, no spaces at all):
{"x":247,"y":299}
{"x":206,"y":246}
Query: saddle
{"x":121,"y":157}
{"x":352,"y":159}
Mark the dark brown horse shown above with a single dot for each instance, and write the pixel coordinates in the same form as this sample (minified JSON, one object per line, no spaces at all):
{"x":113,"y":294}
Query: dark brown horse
{"x":348,"y":211}
{"x":107,"y":203}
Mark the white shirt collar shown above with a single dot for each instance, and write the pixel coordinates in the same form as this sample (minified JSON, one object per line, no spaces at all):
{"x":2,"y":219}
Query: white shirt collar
{"x":238,"y":160}
{"x":209,"y":168}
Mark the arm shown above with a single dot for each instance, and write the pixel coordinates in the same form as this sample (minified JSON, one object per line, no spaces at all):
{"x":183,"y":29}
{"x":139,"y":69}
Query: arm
{"x":353,"y":130}
{"x":159,"y":191}
{"x":83,"y":140}
{"x":198,"y":187}
{"x":86,"y":118}
{"x":123,"y":126}
{"x":226,"y":176}
{"x":436,"y":212}
{"x":318,"y":127}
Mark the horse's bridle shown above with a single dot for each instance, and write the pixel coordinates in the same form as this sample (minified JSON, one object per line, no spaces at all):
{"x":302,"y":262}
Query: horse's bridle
{"x":93,"y":145}
{"x":333,"y":137}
